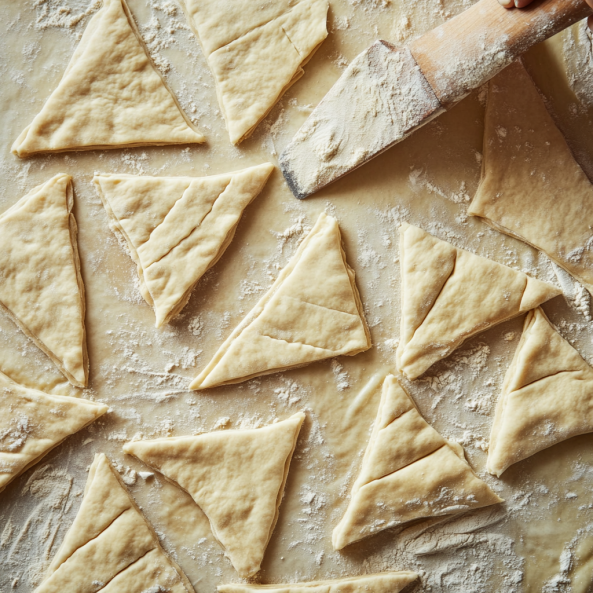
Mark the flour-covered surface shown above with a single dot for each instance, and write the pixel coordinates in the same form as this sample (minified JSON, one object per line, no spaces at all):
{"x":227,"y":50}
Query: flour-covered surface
{"x":541,"y":538}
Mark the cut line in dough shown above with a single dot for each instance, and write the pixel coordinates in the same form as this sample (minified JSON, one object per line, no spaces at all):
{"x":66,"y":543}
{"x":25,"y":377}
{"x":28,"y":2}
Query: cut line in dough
{"x":449,"y":295}
{"x":409,"y":471}
{"x":111,"y":95}
{"x":236,"y":477}
{"x":42,"y":288}
{"x":312,"y":312}
{"x":177,"y":228}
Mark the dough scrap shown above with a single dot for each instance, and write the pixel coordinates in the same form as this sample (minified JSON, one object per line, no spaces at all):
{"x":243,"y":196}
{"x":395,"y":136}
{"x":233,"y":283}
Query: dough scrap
{"x":532,"y":188}
{"x":547,"y":396}
{"x":384,"y":582}
{"x":255,"y":52}
{"x":311,"y":312}
{"x":449,"y":295}
{"x":236,"y":477}
{"x":111,"y":95}
{"x":110,"y":547}
{"x":32,"y":423}
{"x":41,"y":288}
{"x":409,"y":471}
{"x":177,"y":228}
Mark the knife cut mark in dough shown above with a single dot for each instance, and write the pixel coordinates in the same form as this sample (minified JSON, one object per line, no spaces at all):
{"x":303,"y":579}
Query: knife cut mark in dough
{"x":409,"y":471}
{"x":110,"y":547}
{"x":32,"y":423}
{"x":385,"y":582}
{"x":41,"y":287}
{"x":110,"y":96}
{"x":236,"y":477}
{"x":532,"y":188}
{"x":177,"y":228}
{"x":547,"y":396}
{"x":449,"y":295}
{"x":312,"y":312}
{"x":255,"y":52}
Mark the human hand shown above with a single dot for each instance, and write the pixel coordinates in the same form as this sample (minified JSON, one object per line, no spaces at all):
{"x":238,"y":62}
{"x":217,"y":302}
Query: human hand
{"x":523,"y":3}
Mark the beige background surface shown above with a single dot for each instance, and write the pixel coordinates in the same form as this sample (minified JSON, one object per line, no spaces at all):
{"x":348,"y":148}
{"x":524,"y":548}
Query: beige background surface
{"x":543,"y":538}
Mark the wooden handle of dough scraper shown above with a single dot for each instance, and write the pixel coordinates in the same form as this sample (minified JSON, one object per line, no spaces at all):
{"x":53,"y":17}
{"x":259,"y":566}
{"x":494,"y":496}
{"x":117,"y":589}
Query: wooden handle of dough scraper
{"x":471,"y":48}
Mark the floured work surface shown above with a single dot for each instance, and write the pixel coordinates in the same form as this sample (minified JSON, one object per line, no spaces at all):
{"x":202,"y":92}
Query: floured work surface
{"x":538,"y":538}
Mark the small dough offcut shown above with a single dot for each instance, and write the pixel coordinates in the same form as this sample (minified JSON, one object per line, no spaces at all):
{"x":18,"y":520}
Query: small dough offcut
{"x":110,"y":96}
{"x":32,"y":423}
{"x":384,"y":582}
{"x":547,"y":396}
{"x":41,"y":288}
{"x":177,"y":228}
{"x":255,"y":51}
{"x":409,"y":471}
{"x":110,"y":547}
{"x":532,"y":188}
{"x":236,"y":477}
{"x":449,"y":295}
{"x":312,"y":312}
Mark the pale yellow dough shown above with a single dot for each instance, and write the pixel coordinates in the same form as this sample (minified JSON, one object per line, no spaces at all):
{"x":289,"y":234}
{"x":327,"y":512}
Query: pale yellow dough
{"x":532,"y":188}
{"x":41,"y":288}
{"x":409,"y":471}
{"x":111,"y":95}
{"x":255,"y":52}
{"x":547,"y":396}
{"x":449,"y":295}
{"x":236,"y":477}
{"x":32,"y":423}
{"x":177,"y":228}
{"x":110,"y":547}
{"x":385,"y":582}
{"x":311,"y":312}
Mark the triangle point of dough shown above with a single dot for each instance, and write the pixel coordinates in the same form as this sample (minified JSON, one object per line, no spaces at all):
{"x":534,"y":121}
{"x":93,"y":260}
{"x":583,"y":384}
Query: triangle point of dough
{"x":312,"y":312}
{"x":177,"y":228}
{"x":110,"y":546}
{"x":532,"y":188}
{"x":384,"y":582}
{"x":409,"y":471}
{"x":547,"y":396}
{"x":42,"y":288}
{"x":449,"y":295}
{"x":32,"y":423}
{"x":111,"y":95}
{"x":236,"y":477}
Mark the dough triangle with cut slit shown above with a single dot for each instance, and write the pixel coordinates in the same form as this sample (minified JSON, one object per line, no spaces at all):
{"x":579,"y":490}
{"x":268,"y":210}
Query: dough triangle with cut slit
{"x":255,"y":52}
{"x":311,"y":312}
{"x":176,"y":228}
{"x":41,"y":287}
{"x":110,"y":96}
{"x":110,"y":547}
{"x":409,"y":471}
{"x":547,"y":396}
{"x":384,"y":582}
{"x":236,"y":477}
{"x":32,"y":423}
{"x":449,"y":295}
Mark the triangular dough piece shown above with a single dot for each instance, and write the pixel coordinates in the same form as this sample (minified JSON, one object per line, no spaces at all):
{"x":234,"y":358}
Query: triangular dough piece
{"x":311,"y":312}
{"x":110,"y":547}
{"x":409,"y":471}
{"x":384,"y":582}
{"x":236,"y":477}
{"x":449,"y":295}
{"x":32,"y":423}
{"x":110,"y":96}
{"x":41,"y":288}
{"x":176,"y":228}
{"x":532,"y":188}
{"x":256,"y":52}
{"x":547,"y":396}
